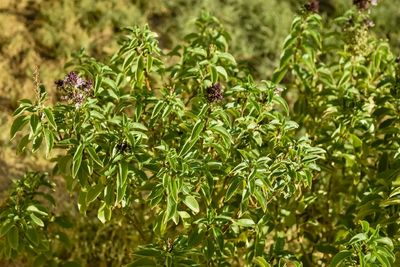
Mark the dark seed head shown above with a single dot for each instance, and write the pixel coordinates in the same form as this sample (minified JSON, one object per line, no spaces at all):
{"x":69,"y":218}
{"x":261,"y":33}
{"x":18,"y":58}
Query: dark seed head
{"x":364,"y":4}
{"x":214,"y":93}
{"x":87,"y":85}
{"x":123,"y":147}
{"x":59,"y":83}
{"x":312,"y":6}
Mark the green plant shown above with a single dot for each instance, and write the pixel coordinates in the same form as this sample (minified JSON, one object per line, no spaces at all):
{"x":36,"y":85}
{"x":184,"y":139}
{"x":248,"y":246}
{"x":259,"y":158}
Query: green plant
{"x":24,"y":216}
{"x":196,"y":153}
{"x":343,"y":83}
{"x":365,"y":249}
{"x":182,"y":158}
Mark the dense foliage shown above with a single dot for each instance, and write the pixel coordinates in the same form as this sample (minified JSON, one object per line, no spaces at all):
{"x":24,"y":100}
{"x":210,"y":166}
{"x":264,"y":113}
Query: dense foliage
{"x":183,"y":158}
{"x":345,"y":88}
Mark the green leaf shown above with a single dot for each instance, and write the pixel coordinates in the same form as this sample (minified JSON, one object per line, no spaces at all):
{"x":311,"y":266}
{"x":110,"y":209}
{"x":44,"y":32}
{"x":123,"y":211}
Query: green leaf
{"x":278,"y":75}
{"x":112,"y":85}
{"x":121,"y":189}
{"x":13,"y":237}
{"x":50,"y":117}
{"x":285,"y":58}
{"x":226,"y":56}
{"x":138,"y":125}
{"x":18,"y":123}
{"x":385,"y":241}
{"x":42,"y":92}
{"x":289,"y":41}
{"x":358,"y":238}
{"x":139,"y":67}
{"x":128,"y":60}
{"x":35,"y":209}
{"x":365,"y":226}
{"x":37,"y":141}
{"x":191,"y":203}
{"x":40,"y":261}
{"x":23,"y":143}
{"x":36,"y":220}
{"x":49,"y":138}
{"x":395,"y":192}
{"x":32,"y":235}
{"x":77,"y":159}
{"x":93,"y":155}
{"x":214,"y":74}
{"x":157,"y":109}
{"x":22,"y":107}
{"x":191,"y":141}
{"x":245,"y":222}
{"x":123,"y":172}
{"x":261,"y":262}
{"x":143,"y":262}
{"x":82,"y":201}
{"x":340,"y":257}
{"x":224,"y":133}
{"x":197,"y":128}
{"x":356,"y":140}
{"x":171,"y":209}
{"x":94,"y":192}
{"x":35,"y":123}
{"x":218,"y":236}
{"x":221,"y":71}
{"x":232,"y":188}
{"x":173,"y":189}
{"x":389,"y":202}
{"x":281,"y":102}
{"x":186,"y":147}
{"x":5,"y":227}
{"x":104,"y":213}
{"x":149,"y":63}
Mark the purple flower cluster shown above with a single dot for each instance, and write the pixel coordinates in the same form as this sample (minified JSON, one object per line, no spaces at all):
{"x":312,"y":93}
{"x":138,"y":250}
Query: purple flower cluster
{"x":214,"y":93}
{"x":364,"y":4}
{"x":312,"y":6}
{"x":74,"y":88}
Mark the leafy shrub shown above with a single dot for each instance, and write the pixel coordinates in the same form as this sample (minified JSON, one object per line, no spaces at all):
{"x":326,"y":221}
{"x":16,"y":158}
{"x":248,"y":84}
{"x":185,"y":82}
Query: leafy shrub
{"x":344,"y":85}
{"x":196,"y":153}
{"x":201,"y":164}
{"x":46,"y":33}
{"x":366,"y":249}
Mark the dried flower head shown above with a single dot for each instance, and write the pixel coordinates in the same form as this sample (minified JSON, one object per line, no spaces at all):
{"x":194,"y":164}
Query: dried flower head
{"x":74,"y":88}
{"x":278,"y":90}
{"x":214,"y":93}
{"x":369,"y":23}
{"x":365,"y":4}
{"x":312,"y":6}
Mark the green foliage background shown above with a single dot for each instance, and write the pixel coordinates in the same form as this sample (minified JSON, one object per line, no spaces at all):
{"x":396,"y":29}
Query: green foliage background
{"x":44,"y":33}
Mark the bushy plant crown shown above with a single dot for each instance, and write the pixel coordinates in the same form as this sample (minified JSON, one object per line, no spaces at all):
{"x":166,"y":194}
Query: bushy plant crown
{"x":205,"y":163}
